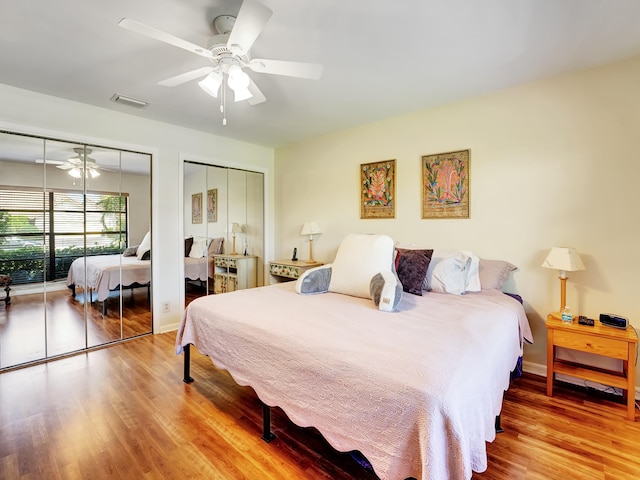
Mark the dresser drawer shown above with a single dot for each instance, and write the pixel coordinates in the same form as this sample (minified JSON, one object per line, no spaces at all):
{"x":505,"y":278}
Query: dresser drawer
{"x":226,"y":262}
{"x":592,"y":344}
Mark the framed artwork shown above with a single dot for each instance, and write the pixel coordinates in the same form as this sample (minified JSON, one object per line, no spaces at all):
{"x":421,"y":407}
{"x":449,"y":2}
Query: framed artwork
{"x":378,"y":189}
{"x":212,"y":205}
{"x":196,"y":208}
{"x":445,"y":185}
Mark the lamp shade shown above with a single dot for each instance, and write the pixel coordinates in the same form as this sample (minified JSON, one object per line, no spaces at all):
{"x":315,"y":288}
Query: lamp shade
{"x":310,"y":228}
{"x":211,"y":83}
{"x":236,"y":228}
{"x":564,"y":259}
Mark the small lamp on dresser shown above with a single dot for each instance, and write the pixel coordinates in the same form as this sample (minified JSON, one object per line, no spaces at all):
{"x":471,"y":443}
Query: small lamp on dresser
{"x":235,"y":229}
{"x":310,"y":228}
{"x":565,"y":259}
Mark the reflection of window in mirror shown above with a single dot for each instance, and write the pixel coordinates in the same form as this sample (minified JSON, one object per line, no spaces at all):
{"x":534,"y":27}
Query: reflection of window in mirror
{"x":69,"y":200}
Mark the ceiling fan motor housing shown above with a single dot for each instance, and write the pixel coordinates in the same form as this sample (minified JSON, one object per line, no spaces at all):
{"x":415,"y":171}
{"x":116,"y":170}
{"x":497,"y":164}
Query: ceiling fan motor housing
{"x":221,"y":54}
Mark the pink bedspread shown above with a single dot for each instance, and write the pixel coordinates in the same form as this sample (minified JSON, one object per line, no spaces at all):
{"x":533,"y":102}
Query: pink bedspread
{"x":416,"y":391}
{"x":106,"y":272}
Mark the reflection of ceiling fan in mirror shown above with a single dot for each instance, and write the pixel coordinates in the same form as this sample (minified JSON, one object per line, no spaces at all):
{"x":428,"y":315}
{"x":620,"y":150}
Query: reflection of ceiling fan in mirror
{"x":228,"y":53}
{"x":75,"y":166}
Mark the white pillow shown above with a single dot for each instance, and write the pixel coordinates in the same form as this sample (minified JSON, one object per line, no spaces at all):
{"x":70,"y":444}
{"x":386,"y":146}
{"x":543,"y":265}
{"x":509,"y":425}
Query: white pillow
{"x":449,"y":274}
{"x":144,"y":246}
{"x":200,"y":247}
{"x":473,"y":274}
{"x":471,"y":277}
{"x":359,"y":258}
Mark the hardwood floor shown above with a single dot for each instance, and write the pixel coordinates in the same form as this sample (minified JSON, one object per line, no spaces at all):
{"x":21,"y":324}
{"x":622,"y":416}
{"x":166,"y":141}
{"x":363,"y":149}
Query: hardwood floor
{"x":124,"y":412}
{"x":26,"y":323}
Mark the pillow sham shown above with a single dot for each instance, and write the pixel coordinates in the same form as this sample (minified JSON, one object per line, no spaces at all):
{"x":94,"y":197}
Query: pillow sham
{"x":411,"y":266}
{"x":130,"y":251}
{"x":188,"y":243}
{"x":144,"y":246}
{"x":493,"y":273}
{"x":216,"y":246}
{"x":358,"y":259}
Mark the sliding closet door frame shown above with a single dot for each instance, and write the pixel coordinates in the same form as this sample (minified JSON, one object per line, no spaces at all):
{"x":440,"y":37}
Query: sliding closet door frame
{"x":44,"y":187}
{"x":267,"y":206}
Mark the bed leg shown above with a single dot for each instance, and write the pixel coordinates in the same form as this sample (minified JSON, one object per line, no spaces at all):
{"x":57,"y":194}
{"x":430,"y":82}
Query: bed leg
{"x":104,"y":307}
{"x":187,"y":378}
{"x":499,"y":428}
{"x":267,"y":436}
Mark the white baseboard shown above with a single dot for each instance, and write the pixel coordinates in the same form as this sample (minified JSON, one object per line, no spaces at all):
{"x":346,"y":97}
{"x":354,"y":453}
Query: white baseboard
{"x":171,"y":327}
{"x":541,"y":370}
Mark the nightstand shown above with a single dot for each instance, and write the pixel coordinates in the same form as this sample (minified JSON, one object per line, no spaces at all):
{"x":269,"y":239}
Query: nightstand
{"x":234,"y":272}
{"x":600,"y":340}
{"x":287,"y":270}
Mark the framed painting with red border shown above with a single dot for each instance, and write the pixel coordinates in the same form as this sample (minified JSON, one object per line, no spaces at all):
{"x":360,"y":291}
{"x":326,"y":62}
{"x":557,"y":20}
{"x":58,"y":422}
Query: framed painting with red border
{"x":378,"y":189}
{"x":445,"y":185}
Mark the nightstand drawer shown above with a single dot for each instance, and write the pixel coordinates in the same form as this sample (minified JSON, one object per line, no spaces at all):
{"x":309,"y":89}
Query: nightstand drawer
{"x":592,"y":344}
{"x":225,"y":262}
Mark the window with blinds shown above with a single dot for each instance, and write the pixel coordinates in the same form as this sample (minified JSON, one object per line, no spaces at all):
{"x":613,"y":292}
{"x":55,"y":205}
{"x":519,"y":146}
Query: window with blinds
{"x":42,"y":232}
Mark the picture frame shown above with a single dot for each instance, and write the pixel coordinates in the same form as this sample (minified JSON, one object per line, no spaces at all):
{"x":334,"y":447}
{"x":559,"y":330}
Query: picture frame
{"x":196,"y":208}
{"x":378,"y":189}
{"x":212,"y":205}
{"x":445,"y":185}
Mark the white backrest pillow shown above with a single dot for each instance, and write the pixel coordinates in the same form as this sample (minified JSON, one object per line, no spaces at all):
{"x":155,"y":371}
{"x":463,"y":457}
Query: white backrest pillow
{"x":358,"y":259}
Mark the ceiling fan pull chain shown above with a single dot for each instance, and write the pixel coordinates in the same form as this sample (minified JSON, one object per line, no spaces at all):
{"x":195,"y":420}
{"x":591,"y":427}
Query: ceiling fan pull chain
{"x":223,"y":101}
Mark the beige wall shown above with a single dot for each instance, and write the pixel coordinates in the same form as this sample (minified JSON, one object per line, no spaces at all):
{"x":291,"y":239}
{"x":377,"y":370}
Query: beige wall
{"x":28,"y":112}
{"x":552,"y":163}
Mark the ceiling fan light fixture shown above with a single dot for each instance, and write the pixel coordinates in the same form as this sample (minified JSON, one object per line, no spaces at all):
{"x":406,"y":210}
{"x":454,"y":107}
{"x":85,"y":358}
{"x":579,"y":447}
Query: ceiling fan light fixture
{"x":239,"y":82}
{"x":75,"y":172}
{"x":211,"y":83}
{"x":94,"y":173}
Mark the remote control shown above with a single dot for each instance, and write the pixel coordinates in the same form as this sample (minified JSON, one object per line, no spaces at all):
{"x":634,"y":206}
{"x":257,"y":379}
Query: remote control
{"x":582,"y":320}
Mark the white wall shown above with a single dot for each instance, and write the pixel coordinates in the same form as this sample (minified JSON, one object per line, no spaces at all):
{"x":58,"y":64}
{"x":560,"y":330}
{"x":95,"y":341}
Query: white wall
{"x":29,"y":112}
{"x":552,"y":163}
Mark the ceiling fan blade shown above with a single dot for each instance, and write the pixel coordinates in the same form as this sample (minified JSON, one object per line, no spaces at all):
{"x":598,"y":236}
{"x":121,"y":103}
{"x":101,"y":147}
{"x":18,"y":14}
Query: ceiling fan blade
{"x":106,"y":169}
{"x":49,"y":162}
{"x":185,"y":77}
{"x":250,"y":21}
{"x":154,"y":33}
{"x":312,"y":71}
{"x":65,"y":166}
{"x":257,"y":96}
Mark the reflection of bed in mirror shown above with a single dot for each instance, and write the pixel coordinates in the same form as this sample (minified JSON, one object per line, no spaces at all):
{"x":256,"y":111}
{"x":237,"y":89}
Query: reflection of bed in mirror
{"x":198,"y":268}
{"x":106,"y":273}
{"x":198,"y":260}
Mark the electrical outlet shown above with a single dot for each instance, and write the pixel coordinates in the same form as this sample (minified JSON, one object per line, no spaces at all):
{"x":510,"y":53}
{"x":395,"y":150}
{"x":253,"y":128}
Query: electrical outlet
{"x":165,"y":307}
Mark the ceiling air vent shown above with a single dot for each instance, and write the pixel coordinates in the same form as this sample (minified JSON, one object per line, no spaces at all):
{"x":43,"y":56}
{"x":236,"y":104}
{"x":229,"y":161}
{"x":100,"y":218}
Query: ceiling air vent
{"x":132,"y":102}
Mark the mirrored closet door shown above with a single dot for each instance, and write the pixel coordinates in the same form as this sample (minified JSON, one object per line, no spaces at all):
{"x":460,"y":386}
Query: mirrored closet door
{"x":224,"y":229}
{"x":70,"y":214}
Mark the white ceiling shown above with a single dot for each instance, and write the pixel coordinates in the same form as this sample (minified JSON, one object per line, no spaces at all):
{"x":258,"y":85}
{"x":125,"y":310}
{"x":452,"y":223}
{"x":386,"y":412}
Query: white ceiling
{"x":381,"y":58}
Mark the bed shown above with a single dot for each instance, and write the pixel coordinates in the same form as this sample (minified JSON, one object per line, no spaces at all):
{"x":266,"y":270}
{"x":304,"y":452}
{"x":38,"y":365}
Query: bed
{"x":198,"y":268}
{"x":198,"y":261}
{"x":416,"y":391}
{"x":105,"y":273}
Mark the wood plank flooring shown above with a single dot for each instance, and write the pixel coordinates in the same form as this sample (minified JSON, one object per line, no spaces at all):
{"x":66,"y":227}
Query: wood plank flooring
{"x":29,"y":321}
{"x":124,"y":412}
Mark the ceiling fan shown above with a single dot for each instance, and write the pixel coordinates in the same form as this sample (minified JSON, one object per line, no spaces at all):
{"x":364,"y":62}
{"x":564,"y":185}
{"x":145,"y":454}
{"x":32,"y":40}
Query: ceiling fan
{"x":75,"y":166}
{"x":229,"y":55}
